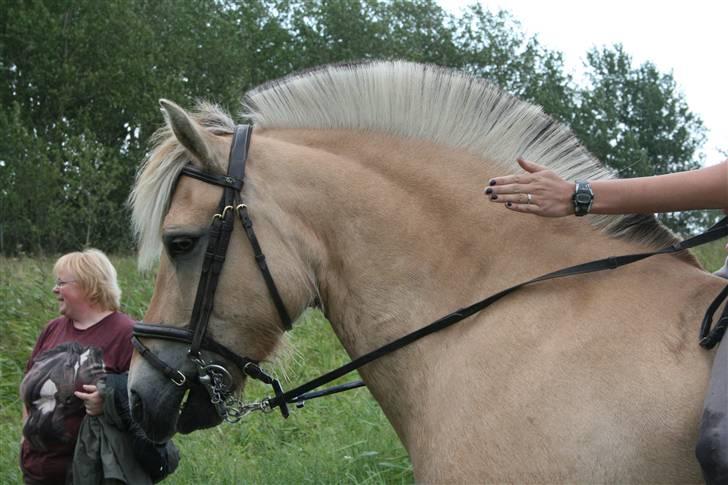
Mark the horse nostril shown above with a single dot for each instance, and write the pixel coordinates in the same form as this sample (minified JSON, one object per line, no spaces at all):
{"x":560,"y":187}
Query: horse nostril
{"x":136,"y":406}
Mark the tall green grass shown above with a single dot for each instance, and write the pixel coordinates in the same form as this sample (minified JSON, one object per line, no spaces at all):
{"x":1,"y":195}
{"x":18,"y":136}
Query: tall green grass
{"x":343,"y":438}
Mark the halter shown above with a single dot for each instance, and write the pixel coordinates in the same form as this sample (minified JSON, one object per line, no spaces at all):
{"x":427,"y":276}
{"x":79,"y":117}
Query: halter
{"x":213,"y":376}
{"x":218,"y":381}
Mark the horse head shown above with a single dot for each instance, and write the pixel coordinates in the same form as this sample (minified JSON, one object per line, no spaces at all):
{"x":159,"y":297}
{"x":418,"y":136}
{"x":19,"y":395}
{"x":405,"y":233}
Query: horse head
{"x":241,"y":321}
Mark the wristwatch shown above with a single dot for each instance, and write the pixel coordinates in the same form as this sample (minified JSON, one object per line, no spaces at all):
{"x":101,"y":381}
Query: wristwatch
{"x":583,"y":198}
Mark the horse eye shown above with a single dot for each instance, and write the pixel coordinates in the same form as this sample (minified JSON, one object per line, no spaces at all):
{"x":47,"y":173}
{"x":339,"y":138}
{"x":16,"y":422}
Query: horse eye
{"x":180,"y":245}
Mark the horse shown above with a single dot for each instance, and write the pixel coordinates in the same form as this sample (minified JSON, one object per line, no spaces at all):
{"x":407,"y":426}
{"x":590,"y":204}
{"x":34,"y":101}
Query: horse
{"x":365,"y":183}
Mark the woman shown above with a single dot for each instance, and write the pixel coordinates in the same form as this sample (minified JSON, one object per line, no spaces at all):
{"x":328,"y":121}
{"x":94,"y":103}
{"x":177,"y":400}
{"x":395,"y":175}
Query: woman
{"x":74,"y":351}
{"x":541,"y":192}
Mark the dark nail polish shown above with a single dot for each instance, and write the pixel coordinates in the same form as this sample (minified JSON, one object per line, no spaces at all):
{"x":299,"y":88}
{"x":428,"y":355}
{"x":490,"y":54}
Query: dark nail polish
{"x":491,"y":182}
{"x":488,"y":190}
{"x":493,"y":197}
{"x":508,"y":204}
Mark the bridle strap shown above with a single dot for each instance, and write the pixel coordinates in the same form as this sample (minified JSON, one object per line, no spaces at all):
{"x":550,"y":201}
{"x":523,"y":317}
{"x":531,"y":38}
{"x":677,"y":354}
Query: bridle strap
{"x":239,"y":152}
{"x":219,"y":236}
{"x":709,"y":338}
{"x":218,"y":240}
{"x":184,"y":335}
{"x":211,"y":178}
{"x":263,"y":266}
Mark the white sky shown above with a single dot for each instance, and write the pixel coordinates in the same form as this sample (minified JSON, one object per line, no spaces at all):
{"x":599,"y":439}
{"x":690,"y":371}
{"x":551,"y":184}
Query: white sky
{"x":687,"y":38}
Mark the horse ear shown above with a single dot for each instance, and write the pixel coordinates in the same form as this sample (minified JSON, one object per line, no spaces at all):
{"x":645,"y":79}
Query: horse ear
{"x":188,"y":132}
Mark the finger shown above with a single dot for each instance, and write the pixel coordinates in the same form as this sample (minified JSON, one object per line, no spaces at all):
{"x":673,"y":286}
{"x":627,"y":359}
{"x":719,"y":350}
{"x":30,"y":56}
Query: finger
{"x":530,"y":167}
{"x":89,"y":387}
{"x":523,"y":208}
{"x":82,"y":395}
{"x":510,"y":179}
{"x":515,"y":198}
{"x":512,"y":192}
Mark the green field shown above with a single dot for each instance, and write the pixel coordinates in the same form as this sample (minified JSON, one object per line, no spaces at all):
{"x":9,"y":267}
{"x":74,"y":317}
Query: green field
{"x":343,"y":438}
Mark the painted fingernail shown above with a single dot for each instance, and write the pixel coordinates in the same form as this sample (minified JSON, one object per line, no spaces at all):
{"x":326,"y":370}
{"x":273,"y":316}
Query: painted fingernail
{"x":493,"y":197}
{"x":491,"y":182}
{"x":488,"y":190}
{"x":508,"y":204}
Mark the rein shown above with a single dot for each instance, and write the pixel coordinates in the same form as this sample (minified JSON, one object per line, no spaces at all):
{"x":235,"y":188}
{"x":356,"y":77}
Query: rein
{"x":218,"y":381}
{"x":708,"y":338}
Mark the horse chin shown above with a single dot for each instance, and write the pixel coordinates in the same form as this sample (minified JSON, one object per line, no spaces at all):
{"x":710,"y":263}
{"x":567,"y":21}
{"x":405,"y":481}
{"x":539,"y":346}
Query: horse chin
{"x":198,"y":412}
{"x":158,"y":420}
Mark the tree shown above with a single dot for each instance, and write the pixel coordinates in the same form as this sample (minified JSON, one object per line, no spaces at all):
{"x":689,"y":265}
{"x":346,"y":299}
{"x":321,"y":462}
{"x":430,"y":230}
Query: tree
{"x":493,"y":46}
{"x":636,"y":121}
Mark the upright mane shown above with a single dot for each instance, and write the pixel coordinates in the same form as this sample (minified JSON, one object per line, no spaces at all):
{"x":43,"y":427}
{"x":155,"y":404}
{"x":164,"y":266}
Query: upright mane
{"x":403,"y":99}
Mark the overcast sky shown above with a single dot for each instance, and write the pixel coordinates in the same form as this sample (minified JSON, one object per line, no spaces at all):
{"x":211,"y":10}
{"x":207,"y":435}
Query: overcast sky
{"x":686,"y":38}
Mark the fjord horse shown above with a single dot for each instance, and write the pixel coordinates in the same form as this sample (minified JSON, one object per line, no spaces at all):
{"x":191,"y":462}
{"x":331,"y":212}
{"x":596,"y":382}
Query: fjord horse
{"x":365,"y":186}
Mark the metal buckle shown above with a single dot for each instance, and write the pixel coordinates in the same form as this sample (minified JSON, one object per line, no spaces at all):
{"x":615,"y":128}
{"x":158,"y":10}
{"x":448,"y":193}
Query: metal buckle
{"x":179,"y":380}
{"x":224,"y":212}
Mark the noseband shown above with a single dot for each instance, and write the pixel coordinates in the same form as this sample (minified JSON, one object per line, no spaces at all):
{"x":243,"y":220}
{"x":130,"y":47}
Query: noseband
{"x":214,"y":376}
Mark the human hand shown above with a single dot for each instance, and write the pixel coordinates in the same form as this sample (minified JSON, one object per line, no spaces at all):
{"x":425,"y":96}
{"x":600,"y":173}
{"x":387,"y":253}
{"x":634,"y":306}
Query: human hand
{"x":550,"y":195}
{"x":93,"y":401}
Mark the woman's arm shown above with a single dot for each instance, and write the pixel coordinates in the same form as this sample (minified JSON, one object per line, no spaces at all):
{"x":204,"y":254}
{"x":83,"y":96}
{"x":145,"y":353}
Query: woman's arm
{"x":706,"y":188}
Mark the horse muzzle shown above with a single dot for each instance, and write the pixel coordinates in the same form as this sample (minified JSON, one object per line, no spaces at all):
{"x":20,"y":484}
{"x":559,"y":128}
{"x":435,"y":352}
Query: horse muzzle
{"x":154,"y":402}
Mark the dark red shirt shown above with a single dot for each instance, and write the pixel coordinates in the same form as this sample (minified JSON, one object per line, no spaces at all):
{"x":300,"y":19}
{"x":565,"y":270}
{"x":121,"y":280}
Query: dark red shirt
{"x":65,"y":358}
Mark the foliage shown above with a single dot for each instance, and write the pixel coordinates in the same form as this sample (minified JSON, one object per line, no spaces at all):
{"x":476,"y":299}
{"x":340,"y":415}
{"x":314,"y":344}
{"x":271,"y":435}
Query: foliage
{"x":79,"y":84}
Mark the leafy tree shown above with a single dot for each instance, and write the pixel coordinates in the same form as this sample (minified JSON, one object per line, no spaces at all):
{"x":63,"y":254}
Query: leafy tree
{"x":493,"y":46}
{"x":637,"y":122}
{"x":28,"y":187}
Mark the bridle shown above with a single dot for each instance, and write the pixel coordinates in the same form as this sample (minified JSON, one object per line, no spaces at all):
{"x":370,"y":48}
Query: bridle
{"x":218,"y":381}
{"x":214,"y":376}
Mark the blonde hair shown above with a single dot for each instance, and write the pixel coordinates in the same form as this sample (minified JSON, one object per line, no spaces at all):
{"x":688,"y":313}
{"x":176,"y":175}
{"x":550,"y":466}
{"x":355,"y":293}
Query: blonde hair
{"x":94,"y":274}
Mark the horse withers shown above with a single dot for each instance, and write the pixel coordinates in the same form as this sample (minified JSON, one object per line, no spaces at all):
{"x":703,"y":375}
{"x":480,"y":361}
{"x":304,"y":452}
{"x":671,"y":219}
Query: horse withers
{"x":364,"y":183}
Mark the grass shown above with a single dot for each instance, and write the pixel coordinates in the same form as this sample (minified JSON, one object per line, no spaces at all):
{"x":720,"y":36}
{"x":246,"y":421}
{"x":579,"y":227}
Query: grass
{"x":343,"y":438}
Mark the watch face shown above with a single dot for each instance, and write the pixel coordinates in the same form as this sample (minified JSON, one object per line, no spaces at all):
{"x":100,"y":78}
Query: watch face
{"x":583,"y":198}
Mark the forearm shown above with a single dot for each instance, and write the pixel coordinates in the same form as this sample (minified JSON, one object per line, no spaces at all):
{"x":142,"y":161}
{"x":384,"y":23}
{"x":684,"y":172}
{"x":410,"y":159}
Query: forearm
{"x":706,"y":188}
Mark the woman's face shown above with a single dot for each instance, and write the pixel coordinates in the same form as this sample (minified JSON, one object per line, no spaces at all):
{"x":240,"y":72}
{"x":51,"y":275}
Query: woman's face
{"x":72,"y":299}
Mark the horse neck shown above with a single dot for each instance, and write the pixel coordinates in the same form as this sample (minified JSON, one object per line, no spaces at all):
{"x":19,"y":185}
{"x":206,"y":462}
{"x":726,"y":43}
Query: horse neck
{"x":398,"y":234}
{"x":394,"y":221}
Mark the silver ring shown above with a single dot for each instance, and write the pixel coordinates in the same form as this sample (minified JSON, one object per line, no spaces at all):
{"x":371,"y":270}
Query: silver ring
{"x":529,"y":197}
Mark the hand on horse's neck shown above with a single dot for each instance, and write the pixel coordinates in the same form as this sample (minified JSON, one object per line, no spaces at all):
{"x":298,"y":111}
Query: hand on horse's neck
{"x":90,"y":318}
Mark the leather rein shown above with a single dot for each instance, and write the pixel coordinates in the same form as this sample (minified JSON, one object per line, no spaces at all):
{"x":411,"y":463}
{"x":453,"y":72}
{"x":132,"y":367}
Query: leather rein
{"x":216,"y":378}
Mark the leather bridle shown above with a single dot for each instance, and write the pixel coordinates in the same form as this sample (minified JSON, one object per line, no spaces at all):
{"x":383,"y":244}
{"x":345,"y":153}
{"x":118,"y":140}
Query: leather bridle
{"x":216,"y":378}
{"x":213,"y":376}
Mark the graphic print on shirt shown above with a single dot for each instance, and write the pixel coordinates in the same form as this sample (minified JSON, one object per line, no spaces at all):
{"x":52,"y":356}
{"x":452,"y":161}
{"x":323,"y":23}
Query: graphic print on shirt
{"x":48,"y":387}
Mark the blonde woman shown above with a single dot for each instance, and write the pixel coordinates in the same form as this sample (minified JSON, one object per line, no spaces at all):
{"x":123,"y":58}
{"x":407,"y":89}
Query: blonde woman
{"x":89,"y":339}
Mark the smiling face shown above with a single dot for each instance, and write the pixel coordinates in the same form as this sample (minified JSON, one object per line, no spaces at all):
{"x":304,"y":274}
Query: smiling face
{"x":73,"y":302}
